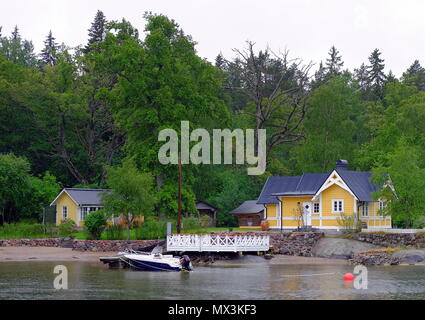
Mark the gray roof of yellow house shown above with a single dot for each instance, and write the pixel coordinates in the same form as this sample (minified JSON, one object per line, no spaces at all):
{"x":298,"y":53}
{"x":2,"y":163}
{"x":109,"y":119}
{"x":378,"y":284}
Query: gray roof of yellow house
{"x":249,"y":207}
{"x":309,"y":184}
{"x":360,"y":183}
{"x":84,"y":197}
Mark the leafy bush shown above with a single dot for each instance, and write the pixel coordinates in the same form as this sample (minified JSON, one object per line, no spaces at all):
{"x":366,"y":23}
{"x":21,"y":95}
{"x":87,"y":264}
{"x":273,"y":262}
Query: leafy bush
{"x":419,"y":223}
{"x":95,"y":224}
{"x":51,"y":230}
{"x":28,"y":221}
{"x":152,"y":229}
{"x":206,"y":221}
{"x":31,"y":230}
{"x":349,"y":224}
{"x":114,"y":232}
{"x":68,"y":229}
{"x":192,"y":225}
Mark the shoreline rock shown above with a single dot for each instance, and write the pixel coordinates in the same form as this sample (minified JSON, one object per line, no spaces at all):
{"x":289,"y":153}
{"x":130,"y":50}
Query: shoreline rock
{"x":337,"y":248}
{"x":374,"y":259}
{"x":390,"y":256}
{"x":393,"y":240}
{"x":410,"y":256}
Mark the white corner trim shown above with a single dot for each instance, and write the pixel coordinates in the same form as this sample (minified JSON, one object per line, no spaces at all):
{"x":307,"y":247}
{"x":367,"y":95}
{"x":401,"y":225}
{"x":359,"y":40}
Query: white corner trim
{"x":331,"y":182}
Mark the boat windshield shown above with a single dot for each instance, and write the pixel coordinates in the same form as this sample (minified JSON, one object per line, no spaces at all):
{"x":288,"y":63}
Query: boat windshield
{"x":157,"y":250}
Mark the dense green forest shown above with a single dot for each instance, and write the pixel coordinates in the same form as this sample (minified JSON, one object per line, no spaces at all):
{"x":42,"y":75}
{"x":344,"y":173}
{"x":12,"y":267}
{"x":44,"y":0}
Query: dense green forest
{"x":68,"y":114}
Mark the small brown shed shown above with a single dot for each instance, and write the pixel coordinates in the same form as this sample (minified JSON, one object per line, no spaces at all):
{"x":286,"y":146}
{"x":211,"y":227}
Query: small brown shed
{"x":250,"y":214}
{"x":206,"y":209}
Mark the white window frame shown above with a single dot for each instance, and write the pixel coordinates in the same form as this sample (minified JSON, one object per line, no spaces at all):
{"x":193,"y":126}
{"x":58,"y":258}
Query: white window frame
{"x":339,"y":202}
{"x":85,"y":211}
{"x":314,"y":208}
{"x":382,"y":206}
{"x":64,"y":212}
{"x":365,"y":209}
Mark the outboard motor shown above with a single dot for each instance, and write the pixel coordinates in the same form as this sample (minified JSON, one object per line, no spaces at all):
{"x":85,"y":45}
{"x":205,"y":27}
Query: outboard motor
{"x":186,"y":263}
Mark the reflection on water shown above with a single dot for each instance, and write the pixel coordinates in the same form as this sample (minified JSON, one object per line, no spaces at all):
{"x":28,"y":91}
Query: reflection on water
{"x":252,"y":281}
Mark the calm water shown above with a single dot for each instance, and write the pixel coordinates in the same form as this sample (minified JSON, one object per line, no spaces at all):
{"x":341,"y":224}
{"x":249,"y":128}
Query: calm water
{"x":253,"y":279}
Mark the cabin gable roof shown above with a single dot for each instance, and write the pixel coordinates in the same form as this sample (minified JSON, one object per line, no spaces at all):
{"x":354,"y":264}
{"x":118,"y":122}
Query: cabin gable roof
{"x":248,"y":207}
{"x":203,"y":205}
{"x":82,"y":197}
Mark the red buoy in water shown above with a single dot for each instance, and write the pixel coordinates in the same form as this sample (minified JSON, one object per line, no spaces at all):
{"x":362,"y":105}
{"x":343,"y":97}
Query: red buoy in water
{"x":349,"y":277}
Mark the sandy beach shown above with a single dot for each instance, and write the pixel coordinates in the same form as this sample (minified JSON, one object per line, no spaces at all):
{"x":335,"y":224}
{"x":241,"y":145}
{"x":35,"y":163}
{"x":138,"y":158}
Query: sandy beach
{"x":18,"y":254}
{"x":22,"y":254}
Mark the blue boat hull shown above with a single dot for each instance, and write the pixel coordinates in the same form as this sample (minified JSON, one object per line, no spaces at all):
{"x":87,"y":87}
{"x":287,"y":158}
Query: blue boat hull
{"x":152,"y":266}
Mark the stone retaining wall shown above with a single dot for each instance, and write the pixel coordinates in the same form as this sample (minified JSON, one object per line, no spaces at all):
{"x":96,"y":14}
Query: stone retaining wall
{"x":287,"y":243}
{"x":393,"y":240}
{"x":294,"y":244}
{"x":80,"y":245}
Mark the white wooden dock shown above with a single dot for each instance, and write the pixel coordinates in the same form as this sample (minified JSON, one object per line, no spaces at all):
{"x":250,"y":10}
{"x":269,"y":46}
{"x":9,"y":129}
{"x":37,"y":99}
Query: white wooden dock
{"x":218,"y":243}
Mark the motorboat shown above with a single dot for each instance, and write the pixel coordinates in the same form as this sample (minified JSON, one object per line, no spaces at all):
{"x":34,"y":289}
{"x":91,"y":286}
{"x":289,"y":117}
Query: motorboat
{"x":158,"y":262}
{"x":155,"y":261}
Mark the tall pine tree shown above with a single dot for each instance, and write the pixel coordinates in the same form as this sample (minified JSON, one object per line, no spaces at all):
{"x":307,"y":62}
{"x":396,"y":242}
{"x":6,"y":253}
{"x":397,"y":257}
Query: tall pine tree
{"x":97,"y":31}
{"x":319,"y":76}
{"x":15,"y":34}
{"x":220,"y":62}
{"x":17,"y":50}
{"x":376,"y":75}
{"x":334,"y":63}
{"x":415,"y":76}
{"x":391,"y":77}
{"x":362,"y":78}
{"x":50,"y":51}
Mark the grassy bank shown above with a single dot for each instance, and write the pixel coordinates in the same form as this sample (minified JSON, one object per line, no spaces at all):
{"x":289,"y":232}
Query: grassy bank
{"x":26,"y":231}
{"x":82,"y":235}
{"x":38,"y":231}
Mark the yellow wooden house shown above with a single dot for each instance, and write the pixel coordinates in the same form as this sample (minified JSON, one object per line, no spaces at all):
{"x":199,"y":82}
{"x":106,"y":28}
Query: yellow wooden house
{"x":76,"y":204}
{"x":323,"y":201}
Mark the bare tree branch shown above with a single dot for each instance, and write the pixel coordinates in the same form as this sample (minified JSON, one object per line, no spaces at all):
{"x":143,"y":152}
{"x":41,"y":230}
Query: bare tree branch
{"x":277,"y":86}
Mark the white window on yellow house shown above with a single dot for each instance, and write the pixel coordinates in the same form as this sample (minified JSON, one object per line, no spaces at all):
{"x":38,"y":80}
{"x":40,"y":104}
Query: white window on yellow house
{"x":365,"y":209}
{"x":85,"y":212}
{"x":337,"y":206}
{"x":65,"y":212}
{"x":382,"y":206}
{"x":316,"y":208}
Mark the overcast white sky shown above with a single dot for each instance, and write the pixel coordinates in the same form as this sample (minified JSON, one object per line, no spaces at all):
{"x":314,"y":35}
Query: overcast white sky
{"x":308,"y":28}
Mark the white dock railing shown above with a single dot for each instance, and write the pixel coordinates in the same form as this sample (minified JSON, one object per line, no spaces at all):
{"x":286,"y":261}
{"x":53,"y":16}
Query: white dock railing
{"x":217,"y":243}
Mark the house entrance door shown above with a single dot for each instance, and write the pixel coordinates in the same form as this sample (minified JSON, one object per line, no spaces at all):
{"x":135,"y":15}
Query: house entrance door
{"x":308,"y":209}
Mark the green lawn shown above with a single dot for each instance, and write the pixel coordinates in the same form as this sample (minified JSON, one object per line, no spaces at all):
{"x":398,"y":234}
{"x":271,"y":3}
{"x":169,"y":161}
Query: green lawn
{"x":81,"y":235}
{"x":21,"y":232}
{"x":233,"y":229}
